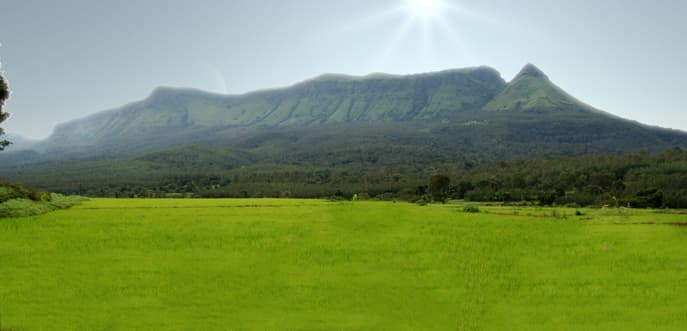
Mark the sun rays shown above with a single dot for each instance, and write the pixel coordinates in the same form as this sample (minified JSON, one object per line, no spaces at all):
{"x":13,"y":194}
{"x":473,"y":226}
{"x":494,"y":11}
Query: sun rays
{"x":424,"y":9}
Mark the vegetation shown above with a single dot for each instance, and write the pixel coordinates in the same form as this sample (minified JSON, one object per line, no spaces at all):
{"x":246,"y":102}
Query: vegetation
{"x":377,"y":136}
{"x":380,"y":137}
{"x":18,"y":201}
{"x":4,"y":95}
{"x":532,"y":90}
{"x":313,"y":265}
{"x":439,"y":187}
{"x":638,"y":180}
{"x":172,"y":116}
{"x":471,"y":209}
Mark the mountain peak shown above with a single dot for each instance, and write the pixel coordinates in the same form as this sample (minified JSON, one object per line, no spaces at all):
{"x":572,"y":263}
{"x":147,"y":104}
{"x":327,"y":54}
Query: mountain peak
{"x":532,"y":71}
{"x":531,"y":90}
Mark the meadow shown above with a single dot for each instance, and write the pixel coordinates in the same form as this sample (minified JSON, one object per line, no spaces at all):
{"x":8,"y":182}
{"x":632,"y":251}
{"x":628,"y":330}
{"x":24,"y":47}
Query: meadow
{"x":272,"y":264}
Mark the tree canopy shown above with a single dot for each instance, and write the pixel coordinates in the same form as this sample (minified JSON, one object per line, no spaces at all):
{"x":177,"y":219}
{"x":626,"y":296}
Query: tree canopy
{"x":438,"y":187}
{"x":4,"y":95}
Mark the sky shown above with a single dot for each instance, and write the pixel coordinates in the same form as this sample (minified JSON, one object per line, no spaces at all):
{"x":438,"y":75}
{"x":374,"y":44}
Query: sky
{"x":71,"y":58}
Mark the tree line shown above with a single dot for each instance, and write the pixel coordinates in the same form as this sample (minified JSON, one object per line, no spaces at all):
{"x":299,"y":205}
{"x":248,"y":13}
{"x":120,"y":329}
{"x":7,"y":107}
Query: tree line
{"x":637,"y":180}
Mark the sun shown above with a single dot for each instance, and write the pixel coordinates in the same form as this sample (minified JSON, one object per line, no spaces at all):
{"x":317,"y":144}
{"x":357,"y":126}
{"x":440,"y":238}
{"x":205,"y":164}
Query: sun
{"x":424,"y":9}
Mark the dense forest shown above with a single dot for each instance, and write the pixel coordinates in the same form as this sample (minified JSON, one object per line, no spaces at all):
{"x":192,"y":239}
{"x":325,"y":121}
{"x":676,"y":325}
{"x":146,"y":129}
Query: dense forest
{"x":637,"y":180}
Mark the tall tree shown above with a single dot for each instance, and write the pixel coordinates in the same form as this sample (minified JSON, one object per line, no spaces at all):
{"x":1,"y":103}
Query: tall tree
{"x":4,"y":95}
{"x":438,"y":187}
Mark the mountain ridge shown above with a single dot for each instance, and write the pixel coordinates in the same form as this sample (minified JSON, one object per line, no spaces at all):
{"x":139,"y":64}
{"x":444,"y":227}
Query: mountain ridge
{"x":321,"y":100}
{"x":473,"y":103}
{"x":532,"y":90}
{"x":391,"y":131}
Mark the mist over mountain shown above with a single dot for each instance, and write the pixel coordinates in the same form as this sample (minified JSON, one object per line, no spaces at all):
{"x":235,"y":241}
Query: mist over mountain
{"x":19,"y":143}
{"x":403,"y":124}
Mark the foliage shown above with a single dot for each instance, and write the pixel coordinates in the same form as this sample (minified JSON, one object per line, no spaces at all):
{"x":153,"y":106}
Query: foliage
{"x":269,"y":264}
{"x":16,"y":201}
{"x":15,"y":191}
{"x":4,"y":95}
{"x":438,"y":187}
{"x":424,"y":200}
{"x":639,"y":180}
{"x":45,"y":204}
{"x":471,"y":209}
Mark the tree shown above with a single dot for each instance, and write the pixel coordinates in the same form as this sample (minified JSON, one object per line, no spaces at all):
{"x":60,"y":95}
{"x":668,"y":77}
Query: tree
{"x":438,"y":187}
{"x":4,"y":95}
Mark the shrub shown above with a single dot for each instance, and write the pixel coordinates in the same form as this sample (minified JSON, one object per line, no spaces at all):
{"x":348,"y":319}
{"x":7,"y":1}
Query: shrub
{"x":424,"y":200}
{"x":471,"y":209}
{"x":26,"y":207}
{"x":22,"y":208}
{"x":40,"y":196}
{"x":9,"y":192}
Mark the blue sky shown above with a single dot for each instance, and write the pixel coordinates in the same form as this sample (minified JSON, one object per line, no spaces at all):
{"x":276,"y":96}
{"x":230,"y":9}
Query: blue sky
{"x":71,"y":58}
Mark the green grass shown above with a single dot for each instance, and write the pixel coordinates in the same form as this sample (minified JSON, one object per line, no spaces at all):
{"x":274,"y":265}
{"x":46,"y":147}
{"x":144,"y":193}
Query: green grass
{"x":315,"y":265}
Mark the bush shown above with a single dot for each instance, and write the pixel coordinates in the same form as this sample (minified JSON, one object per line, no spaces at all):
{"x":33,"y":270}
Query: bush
{"x":27,"y":207}
{"x":424,"y":200}
{"x":471,"y":209}
{"x":40,"y":196}
{"x":9,"y":192}
{"x":22,"y":208}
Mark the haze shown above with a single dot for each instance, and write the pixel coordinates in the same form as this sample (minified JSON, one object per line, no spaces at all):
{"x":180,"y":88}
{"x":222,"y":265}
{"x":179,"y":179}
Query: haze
{"x":72,"y":58}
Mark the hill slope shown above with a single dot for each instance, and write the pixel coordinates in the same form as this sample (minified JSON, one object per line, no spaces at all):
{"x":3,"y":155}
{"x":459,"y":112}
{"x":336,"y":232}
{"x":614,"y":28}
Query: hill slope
{"x":171,"y":116}
{"x":531,"y":90}
{"x":473,"y":104}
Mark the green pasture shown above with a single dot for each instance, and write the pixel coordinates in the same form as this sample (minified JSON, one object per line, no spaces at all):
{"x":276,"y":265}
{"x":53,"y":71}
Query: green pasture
{"x":317,"y":265}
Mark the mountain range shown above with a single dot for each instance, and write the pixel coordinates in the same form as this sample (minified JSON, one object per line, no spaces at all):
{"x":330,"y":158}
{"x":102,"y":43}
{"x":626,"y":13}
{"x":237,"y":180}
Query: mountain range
{"x":453,"y":118}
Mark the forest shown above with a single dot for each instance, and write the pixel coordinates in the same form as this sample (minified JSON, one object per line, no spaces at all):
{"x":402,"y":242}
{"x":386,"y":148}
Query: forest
{"x":636,"y":180}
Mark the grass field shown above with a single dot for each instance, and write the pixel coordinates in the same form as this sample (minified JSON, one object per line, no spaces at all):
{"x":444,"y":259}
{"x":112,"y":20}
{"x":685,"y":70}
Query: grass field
{"x":316,"y":265}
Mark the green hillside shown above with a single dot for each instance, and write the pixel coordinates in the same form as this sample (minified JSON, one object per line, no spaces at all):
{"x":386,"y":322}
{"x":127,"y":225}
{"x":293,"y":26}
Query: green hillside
{"x":467,"y":111}
{"x":531,"y":90}
{"x":170,"y":116}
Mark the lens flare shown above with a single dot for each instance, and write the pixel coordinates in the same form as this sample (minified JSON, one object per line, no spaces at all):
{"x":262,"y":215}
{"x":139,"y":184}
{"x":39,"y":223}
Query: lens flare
{"x":425,"y":9}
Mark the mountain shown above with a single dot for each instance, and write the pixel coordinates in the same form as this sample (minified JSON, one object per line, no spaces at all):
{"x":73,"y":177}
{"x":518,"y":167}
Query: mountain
{"x":173,"y":116}
{"x":378,"y":132}
{"x":475,"y":105}
{"x":531,"y":90}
